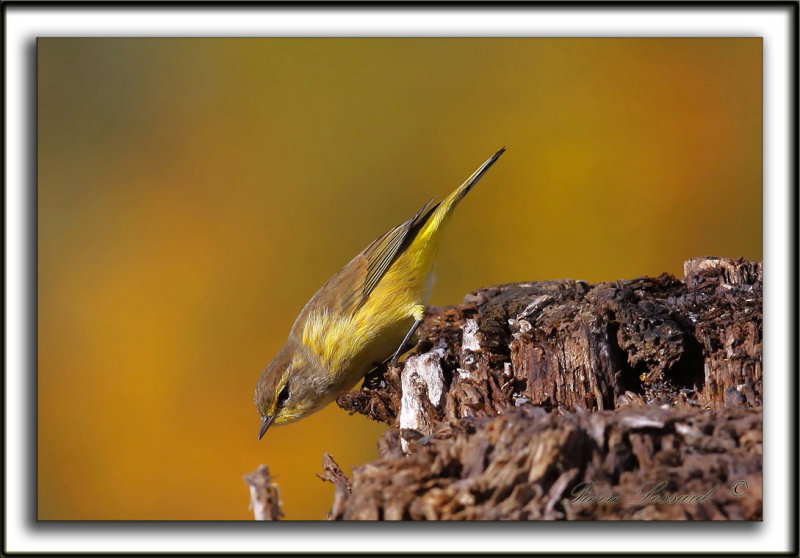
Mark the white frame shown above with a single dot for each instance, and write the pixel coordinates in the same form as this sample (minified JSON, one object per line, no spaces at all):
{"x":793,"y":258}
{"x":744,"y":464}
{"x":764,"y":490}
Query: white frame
{"x":774,"y":23}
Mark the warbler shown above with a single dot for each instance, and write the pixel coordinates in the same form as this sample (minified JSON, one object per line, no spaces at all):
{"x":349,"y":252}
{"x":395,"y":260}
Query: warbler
{"x":368,"y":309}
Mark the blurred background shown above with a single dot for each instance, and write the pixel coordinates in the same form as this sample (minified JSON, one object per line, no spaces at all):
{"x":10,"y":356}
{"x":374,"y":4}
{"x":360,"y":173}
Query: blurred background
{"x":194,"y":193}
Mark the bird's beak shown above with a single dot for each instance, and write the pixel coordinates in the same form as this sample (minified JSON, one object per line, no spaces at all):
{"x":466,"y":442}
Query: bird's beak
{"x":265,"y":422}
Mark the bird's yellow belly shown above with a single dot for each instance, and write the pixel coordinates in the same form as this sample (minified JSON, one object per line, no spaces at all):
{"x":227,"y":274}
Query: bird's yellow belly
{"x":383,"y":322}
{"x":352,"y":344}
{"x":379,"y":326}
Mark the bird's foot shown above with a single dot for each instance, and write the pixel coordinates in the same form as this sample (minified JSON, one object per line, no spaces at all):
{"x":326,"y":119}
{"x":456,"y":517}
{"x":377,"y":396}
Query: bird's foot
{"x":374,"y":379}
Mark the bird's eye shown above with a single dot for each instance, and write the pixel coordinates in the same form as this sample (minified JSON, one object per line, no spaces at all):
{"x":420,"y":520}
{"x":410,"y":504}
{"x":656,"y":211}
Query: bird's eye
{"x":283,"y":395}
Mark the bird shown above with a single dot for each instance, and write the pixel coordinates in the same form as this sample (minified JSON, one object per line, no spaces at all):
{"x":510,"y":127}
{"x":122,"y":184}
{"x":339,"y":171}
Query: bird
{"x":368,"y":310}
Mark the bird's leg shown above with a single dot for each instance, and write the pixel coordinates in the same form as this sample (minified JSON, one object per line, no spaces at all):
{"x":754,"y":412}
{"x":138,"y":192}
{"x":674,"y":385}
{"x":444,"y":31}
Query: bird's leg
{"x":399,"y":351}
{"x":418,"y":313}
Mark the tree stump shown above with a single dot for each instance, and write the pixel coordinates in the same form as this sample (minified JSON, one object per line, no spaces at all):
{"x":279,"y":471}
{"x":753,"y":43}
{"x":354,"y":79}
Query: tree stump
{"x":638,"y":399}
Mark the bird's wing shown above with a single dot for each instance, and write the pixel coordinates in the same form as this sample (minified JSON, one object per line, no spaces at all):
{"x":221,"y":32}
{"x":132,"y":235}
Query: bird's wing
{"x":381,"y":253}
{"x":346,"y":292}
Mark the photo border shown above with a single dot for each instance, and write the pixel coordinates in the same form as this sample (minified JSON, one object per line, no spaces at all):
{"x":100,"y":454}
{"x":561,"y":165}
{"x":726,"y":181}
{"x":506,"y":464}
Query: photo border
{"x":776,"y":22}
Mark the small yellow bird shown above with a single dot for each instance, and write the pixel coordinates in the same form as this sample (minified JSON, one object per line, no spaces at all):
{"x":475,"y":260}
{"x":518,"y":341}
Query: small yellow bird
{"x":368,"y":309}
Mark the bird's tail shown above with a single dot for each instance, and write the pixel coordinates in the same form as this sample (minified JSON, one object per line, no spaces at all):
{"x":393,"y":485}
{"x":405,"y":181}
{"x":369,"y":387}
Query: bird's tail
{"x":458,"y":194}
{"x":442,"y":210}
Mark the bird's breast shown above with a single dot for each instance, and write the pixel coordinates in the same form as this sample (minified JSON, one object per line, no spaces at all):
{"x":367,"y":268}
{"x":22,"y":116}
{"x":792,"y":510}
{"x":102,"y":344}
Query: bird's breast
{"x":349,"y":345}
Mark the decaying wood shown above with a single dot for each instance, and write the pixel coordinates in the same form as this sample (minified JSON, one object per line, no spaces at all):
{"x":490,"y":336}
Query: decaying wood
{"x":264,"y":495}
{"x":526,"y":463}
{"x":528,"y":393}
{"x":333,"y":474}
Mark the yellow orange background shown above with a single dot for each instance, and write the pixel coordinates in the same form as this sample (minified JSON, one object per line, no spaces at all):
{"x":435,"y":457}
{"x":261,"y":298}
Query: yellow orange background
{"x":194,"y":193}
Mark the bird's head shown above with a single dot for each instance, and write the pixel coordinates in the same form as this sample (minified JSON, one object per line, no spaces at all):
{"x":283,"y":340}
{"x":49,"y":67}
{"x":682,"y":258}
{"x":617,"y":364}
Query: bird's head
{"x":290,"y":387}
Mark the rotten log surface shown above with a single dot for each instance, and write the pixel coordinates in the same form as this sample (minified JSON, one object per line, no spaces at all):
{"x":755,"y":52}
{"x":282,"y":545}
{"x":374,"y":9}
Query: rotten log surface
{"x":561,"y":399}
{"x":264,"y":495}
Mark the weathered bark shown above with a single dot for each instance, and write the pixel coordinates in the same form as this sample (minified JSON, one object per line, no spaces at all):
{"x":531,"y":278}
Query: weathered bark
{"x":333,"y":474}
{"x":264,"y":495}
{"x":528,"y":393}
